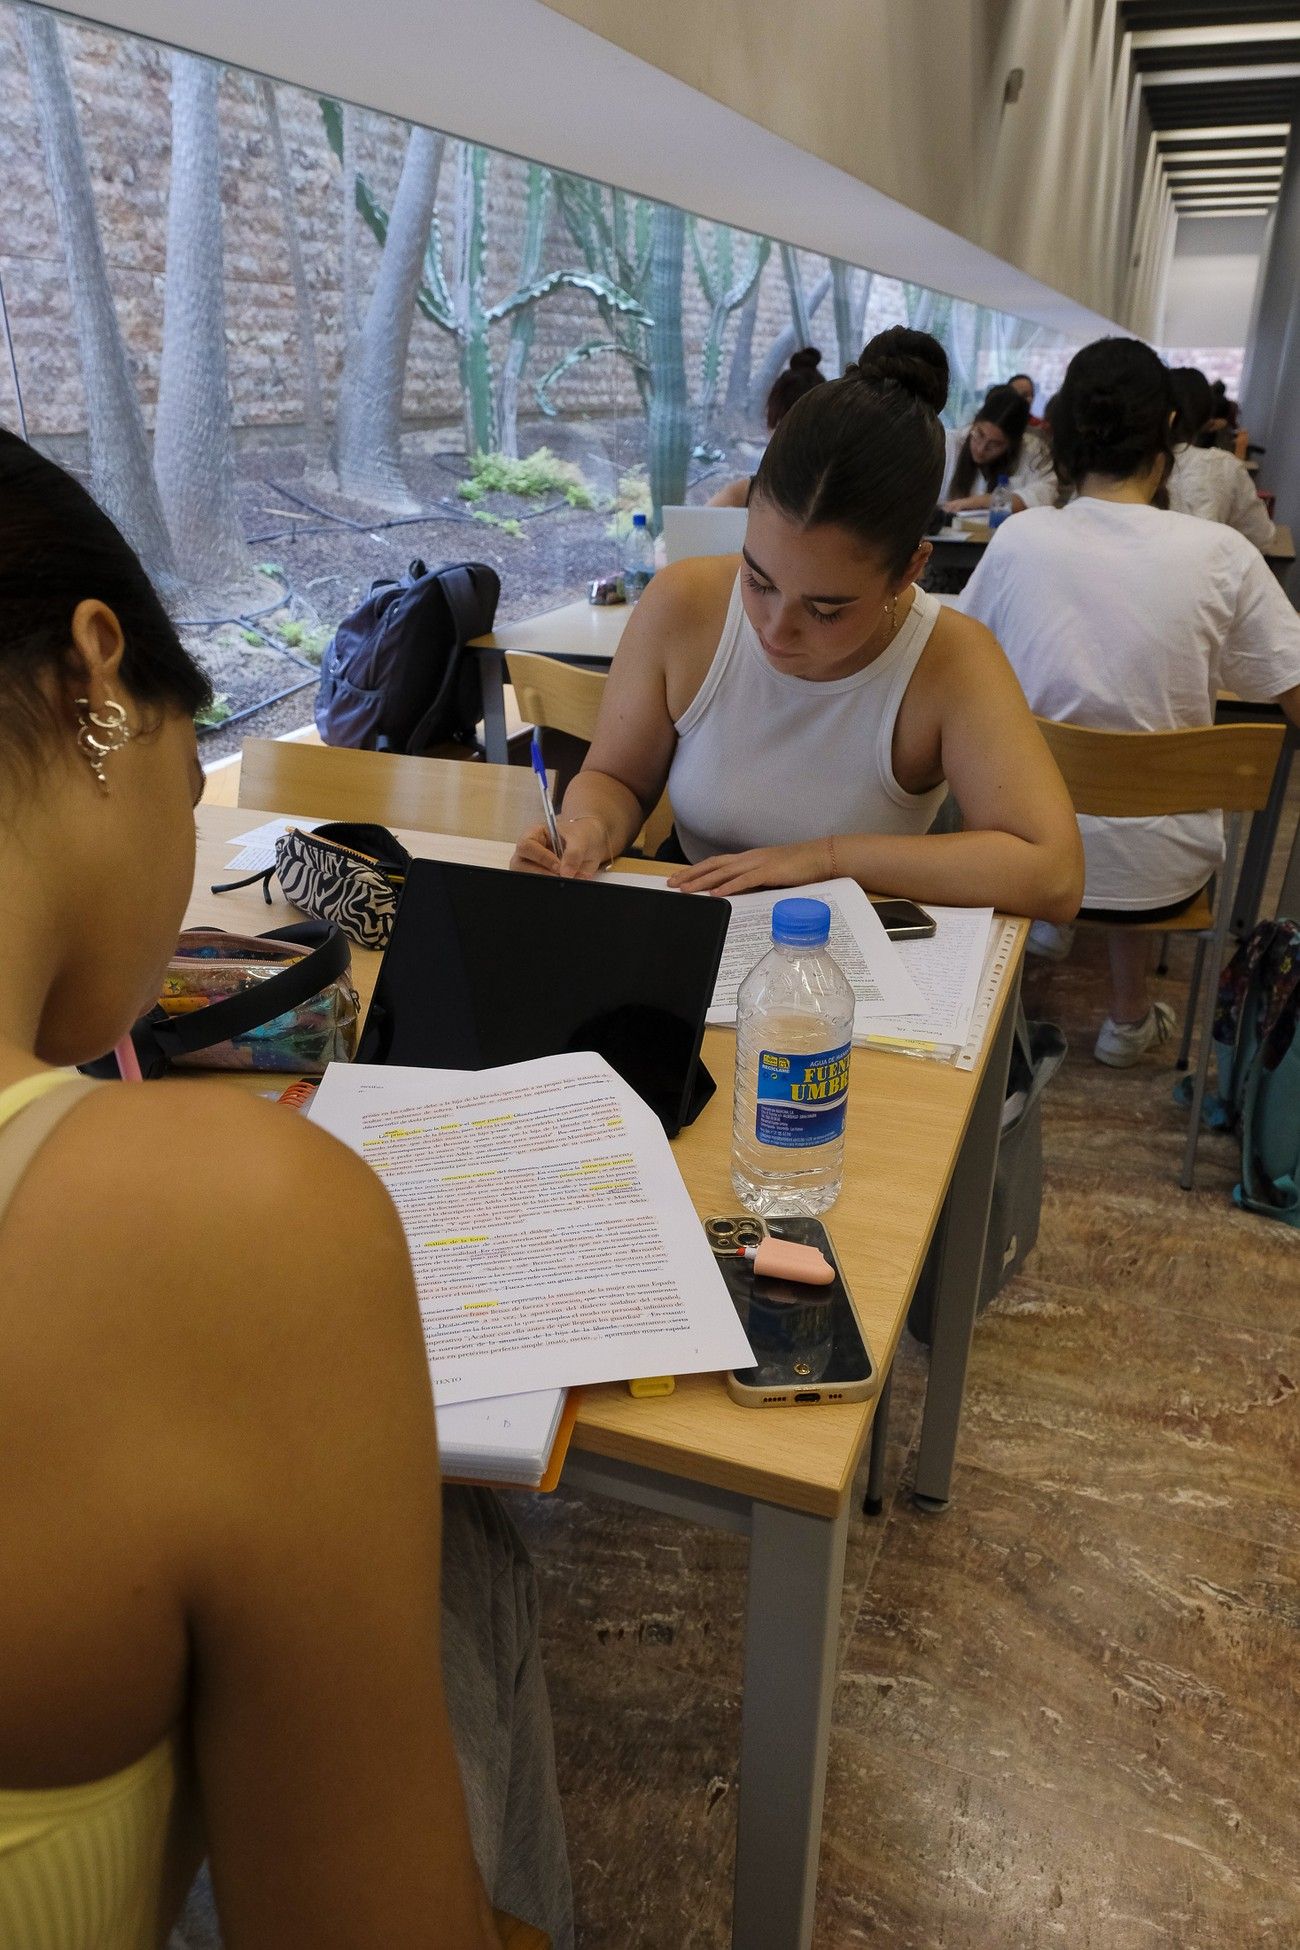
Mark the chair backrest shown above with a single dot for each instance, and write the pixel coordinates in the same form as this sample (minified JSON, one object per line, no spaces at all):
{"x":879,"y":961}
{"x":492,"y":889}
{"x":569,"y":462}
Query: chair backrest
{"x":1139,"y":774}
{"x":432,"y":795}
{"x":561,"y":697}
{"x":703,"y":531}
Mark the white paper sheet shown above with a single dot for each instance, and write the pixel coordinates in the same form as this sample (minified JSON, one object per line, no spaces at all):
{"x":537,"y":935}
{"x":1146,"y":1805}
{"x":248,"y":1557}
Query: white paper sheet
{"x":947,"y":969}
{"x":872,"y":962}
{"x":507,"y":1439}
{"x":552,"y":1238}
{"x":257,"y":846}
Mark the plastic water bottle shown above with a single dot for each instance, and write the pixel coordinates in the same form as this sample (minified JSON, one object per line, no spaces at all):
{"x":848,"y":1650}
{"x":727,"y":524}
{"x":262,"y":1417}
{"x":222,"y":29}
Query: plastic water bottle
{"x":794,"y":1038}
{"x":1000,"y":502}
{"x":638,"y":559}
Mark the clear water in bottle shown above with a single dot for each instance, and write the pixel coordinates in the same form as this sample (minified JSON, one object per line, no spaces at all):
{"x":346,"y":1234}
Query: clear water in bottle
{"x":638,"y":559}
{"x":794,"y":1038}
{"x":1000,"y":501}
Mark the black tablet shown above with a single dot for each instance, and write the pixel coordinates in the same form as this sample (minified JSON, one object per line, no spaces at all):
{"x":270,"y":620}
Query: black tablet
{"x":487,"y":967}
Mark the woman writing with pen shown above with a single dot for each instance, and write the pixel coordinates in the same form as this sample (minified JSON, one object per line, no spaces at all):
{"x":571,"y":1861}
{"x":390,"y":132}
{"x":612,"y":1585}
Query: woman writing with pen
{"x":807,"y":706}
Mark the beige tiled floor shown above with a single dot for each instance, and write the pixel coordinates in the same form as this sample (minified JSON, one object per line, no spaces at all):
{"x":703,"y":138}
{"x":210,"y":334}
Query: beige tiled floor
{"x":1069,"y":1710}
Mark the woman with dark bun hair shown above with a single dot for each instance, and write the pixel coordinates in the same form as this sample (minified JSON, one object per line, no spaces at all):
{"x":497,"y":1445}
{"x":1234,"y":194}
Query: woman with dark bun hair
{"x":807,"y":705}
{"x":997,"y":442}
{"x":799,"y":377}
{"x":1119,"y":613}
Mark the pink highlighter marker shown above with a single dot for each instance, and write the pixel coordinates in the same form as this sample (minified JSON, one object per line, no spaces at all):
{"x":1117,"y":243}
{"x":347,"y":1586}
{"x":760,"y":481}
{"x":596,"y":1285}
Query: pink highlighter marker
{"x":128,"y":1063}
{"x":782,"y":1259}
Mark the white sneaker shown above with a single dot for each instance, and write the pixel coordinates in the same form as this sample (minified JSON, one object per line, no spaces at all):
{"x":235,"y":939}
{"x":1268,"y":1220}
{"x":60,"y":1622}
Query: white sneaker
{"x":1052,"y":943}
{"x":1122,"y":1044}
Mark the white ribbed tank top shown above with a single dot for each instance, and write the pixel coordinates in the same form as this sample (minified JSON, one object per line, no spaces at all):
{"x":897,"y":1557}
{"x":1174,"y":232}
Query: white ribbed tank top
{"x":764,"y":758}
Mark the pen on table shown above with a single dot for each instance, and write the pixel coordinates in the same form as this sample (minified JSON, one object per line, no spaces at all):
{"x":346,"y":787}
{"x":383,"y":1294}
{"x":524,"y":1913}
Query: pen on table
{"x":548,"y":807}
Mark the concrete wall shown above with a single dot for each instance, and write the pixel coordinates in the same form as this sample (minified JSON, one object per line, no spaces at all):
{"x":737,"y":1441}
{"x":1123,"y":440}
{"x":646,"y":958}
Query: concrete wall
{"x":1211,"y":283}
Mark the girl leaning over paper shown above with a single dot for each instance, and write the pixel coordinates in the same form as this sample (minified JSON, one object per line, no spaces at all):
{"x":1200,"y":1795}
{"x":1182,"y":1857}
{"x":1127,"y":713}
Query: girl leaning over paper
{"x":807,"y":705}
{"x":218,"y":1463}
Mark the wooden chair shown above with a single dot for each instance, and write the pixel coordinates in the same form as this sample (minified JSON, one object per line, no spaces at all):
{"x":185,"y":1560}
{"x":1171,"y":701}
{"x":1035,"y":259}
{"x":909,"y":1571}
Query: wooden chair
{"x":1138,"y":774}
{"x":433,"y":795}
{"x":563,"y":697}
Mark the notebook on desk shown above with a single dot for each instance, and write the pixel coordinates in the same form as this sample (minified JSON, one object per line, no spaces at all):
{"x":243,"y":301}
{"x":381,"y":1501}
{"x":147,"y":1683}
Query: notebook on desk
{"x":486,"y":968}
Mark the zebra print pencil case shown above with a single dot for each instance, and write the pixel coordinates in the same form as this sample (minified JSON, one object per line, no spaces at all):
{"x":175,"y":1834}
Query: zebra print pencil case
{"x":342,"y":872}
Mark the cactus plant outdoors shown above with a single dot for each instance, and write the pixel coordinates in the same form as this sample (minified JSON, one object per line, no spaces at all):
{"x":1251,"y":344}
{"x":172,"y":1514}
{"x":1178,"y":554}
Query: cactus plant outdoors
{"x":725,"y":290}
{"x":850,"y":295}
{"x":522,"y":324}
{"x":669,"y":415}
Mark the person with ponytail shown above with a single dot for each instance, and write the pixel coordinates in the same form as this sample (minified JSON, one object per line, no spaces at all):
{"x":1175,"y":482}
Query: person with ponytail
{"x":1122,"y":614}
{"x":998,"y":441}
{"x":808,"y":705}
{"x":799,"y":377}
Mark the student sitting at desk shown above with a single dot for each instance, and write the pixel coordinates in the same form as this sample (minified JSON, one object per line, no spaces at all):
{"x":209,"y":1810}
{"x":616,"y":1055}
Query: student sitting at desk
{"x":799,"y":377}
{"x":807,"y":705}
{"x":1205,"y":479}
{"x":220,"y":1517}
{"x":998,"y":441}
{"x":1122,"y":615}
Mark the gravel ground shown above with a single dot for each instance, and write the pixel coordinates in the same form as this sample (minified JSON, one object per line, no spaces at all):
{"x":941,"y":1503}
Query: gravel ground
{"x":323,"y":553}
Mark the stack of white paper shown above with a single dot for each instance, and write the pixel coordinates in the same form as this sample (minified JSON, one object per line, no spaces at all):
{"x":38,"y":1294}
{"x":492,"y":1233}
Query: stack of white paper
{"x":505,"y":1440}
{"x":948,"y":970}
{"x":552,"y":1239}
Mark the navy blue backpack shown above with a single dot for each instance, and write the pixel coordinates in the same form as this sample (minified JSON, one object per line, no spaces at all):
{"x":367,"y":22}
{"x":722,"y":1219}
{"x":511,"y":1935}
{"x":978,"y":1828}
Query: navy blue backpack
{"x":397,"y":676}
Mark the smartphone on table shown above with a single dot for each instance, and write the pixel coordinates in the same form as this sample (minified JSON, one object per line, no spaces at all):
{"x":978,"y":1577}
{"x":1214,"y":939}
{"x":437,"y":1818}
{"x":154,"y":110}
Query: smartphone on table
{"x":904,"y":920}
{"x":807,"y":1340}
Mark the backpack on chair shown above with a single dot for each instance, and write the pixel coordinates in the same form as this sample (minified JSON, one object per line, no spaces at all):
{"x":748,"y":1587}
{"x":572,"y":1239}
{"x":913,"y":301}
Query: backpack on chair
{"x":397,"y":676}
{"x":1257,"y":1055}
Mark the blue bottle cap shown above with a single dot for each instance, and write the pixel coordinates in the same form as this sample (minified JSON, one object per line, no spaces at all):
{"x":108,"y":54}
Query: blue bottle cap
{"x":801,"y":924}
{"x":638,"y":521}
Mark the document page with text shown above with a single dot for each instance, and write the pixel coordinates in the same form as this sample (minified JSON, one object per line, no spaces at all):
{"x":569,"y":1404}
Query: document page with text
{"x":553,"y":1240}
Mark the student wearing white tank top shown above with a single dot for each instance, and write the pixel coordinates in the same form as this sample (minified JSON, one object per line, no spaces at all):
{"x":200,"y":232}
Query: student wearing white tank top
{"x":807,"y":706}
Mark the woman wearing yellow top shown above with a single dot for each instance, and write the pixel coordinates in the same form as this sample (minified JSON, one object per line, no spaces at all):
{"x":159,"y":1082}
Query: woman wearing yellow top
{"x":220,"y":1510}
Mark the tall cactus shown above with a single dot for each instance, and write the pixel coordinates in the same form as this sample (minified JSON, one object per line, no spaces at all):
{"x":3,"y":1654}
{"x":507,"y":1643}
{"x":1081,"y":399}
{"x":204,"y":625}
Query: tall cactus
{"x":724,"y":292}
{"x":850,"y":293}
{"x":469,"y":316}
{"x":670,"y":412}
{"x":523,"y":323}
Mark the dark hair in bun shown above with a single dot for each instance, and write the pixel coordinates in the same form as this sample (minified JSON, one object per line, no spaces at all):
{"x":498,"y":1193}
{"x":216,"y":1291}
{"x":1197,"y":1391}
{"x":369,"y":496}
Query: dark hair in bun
{"x":1112,"y":415}
{"x":1007,"y":410}
{"x":799,"y":377}
{"x":1195,"y":397}
{"x":866,"y":452}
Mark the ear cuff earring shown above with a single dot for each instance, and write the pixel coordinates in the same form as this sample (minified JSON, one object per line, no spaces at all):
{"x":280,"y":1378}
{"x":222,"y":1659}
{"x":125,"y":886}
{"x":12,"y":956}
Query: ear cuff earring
{"x":98,"y":737}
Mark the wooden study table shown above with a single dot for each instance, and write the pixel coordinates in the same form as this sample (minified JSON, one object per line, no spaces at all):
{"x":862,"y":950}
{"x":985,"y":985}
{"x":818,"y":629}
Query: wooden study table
{"x":579,"y":633}
{"x":962,"y":553}
{"x":921,"y":1148}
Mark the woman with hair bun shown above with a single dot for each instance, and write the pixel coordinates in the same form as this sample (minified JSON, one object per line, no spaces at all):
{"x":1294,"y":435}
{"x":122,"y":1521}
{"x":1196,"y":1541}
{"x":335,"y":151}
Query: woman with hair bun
{"x":998,"y":441}
{"x":807,"y":705}
{"x":1205,"y":479}
{"x":798,"y":378}
{"x":1121,"y":614}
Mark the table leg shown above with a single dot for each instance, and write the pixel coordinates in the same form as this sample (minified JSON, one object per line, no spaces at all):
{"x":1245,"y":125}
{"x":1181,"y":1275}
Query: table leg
{"x":1261,"y":840}
{"x":492,"y":672}
{"x":1288,"y":900}
{"x":796,"y":1580}
{"x":961,"y":1233}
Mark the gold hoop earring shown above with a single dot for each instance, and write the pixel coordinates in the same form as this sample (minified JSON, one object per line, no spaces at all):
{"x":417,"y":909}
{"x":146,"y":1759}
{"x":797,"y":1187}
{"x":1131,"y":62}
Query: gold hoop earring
{"x":98,"y":738}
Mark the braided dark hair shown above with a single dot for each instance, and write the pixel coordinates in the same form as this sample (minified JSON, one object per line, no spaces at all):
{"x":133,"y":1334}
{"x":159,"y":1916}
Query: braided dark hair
{"x":865,"y":452}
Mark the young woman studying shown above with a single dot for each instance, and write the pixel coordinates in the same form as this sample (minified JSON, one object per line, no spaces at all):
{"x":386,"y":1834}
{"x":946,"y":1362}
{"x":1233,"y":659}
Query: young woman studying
{"x":1206,"y":480}
{"x":1126,"y":616}
{"x":220,"y":1513}
{"x":998,"y":441}
{"x":799,"y":377}
{"x":807,"y":706}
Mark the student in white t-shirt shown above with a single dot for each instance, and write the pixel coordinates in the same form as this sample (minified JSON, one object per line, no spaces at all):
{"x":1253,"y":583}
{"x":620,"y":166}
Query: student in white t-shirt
{"x":1209,"y":481}
{"x":998,"y":441}
{"x":1125,"y":616}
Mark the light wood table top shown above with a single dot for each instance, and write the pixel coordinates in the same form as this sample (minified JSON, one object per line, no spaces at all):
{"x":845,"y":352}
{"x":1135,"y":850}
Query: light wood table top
{"x":1282,"y":546}
{"x":905,"y":1125}
{"x":577,"y":630}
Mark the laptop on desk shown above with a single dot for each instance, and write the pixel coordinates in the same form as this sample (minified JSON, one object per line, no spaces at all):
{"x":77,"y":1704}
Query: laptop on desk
{"x":486,"y":967}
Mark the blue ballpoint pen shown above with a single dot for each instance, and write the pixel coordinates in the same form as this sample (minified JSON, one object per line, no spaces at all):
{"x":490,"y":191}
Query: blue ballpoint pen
{"x":548,"y":809}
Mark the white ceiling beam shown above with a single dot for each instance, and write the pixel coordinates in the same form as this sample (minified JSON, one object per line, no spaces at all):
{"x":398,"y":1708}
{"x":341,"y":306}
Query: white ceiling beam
{"x":1198,"y":77}
{"x":1234,"y":210}
{"x":1222,"y":155}
{"x":1208,"y":131}
{"x":1252,"y":172}
{"x":1252,"y":30}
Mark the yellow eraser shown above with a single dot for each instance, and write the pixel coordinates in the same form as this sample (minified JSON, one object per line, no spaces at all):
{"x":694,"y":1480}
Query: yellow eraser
{"x":652,"y":1384}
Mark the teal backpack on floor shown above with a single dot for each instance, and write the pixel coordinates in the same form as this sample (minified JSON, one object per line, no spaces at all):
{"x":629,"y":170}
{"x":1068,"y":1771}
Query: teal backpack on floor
{"x":1257,"y":1051}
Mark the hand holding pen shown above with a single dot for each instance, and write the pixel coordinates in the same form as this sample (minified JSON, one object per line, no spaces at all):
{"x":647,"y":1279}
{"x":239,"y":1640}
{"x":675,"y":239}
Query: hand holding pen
{"x":577,"y":852}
